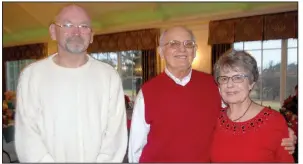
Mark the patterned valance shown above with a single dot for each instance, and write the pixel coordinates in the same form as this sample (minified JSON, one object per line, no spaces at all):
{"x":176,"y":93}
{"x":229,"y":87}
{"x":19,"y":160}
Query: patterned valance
{"x":262,"y":27}
{"x":31,"y":51}
{"x":131,"y":40}
{"x":282,"y":26}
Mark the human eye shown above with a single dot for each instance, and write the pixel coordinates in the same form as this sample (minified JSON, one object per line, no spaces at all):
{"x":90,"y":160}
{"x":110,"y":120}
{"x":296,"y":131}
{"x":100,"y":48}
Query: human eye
{"x":174,"y":43}
{"x":222,"y":79}
{"x":68,"y":25}
{"x":238,"y":77}
{"x":189,"y":44}
{"x":84,"y":26}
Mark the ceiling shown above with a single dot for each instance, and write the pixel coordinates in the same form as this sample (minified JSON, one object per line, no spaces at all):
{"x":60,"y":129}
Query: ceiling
{"x":26,"y":23}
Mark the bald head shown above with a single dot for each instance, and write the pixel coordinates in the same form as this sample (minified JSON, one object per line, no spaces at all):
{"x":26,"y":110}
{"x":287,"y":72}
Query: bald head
{"x":174,"y":30}
{"x":72,"y":30}
{"x":72,"y":12}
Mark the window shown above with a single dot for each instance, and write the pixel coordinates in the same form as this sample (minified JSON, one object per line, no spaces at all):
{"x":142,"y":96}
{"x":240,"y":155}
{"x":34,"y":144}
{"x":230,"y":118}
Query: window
{"x":292,"y":66}
{"x":13,"y":69}
{"x":278,"y":68}
{"x":128,"y":65}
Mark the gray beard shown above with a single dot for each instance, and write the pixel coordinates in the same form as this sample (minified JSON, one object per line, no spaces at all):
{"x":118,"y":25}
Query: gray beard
{"x":77,"y":47}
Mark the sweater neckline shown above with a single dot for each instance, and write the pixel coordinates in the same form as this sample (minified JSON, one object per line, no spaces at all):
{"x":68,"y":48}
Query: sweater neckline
{"x":71,"y":70}
{"x":178,"y":85}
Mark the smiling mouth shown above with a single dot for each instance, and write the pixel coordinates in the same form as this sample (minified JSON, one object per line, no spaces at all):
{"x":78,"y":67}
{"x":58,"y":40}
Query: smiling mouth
{"x":231,"y":93}
{"x":180,"y":56}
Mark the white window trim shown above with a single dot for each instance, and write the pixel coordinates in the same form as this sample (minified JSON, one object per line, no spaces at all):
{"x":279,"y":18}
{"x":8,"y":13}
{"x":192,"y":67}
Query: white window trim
{"x":283,"y":71}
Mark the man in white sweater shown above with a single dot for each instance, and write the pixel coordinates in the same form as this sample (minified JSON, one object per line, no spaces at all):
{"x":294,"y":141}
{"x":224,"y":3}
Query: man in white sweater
{"x":70,"y":107}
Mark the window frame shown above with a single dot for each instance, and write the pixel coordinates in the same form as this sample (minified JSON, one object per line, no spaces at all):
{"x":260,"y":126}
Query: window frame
{"x":283,"y":67}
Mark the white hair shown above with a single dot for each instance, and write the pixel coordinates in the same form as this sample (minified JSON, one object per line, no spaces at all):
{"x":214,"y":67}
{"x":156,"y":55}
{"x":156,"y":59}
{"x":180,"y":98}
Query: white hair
{"x":162,"y":36}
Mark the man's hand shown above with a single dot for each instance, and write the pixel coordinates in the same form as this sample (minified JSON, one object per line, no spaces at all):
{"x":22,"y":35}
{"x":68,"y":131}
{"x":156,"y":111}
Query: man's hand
{"x":289,"y":143}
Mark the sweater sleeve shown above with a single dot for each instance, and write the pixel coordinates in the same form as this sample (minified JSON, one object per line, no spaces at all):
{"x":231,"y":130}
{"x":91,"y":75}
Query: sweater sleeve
{"x":281,"y":130}
{"x":28,"y":141}
{"x":113,"y":148}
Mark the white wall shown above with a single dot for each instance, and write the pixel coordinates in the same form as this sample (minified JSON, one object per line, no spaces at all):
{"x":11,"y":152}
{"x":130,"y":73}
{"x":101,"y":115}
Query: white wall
{"x":202,"y":61}
{"x":52,"y":47}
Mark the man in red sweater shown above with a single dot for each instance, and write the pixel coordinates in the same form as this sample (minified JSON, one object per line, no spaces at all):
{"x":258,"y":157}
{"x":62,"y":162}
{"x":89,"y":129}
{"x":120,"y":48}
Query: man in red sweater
{"x":175,"y":113}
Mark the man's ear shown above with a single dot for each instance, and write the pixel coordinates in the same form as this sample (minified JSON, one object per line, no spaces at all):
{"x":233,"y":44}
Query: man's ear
{"x":92,"y":37}
{"x":160,"y":50}
{"x":52,"y":31}
{"x":196,"y":49}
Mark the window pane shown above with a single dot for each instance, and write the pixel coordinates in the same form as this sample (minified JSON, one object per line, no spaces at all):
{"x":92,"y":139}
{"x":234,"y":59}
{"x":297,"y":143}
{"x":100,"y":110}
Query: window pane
{"x":272,"y":58}
{"x":292,"y":71}
{"x":238,"y":46}
{"x":292,"y":56}
{"x":138,"y":73}
{"x":130,"y":69}
{"x":271,"y":78}
{"x":255,"y":93}
{"x":107,"y":57}
{"x":131,"y":75}
{"x":13,"y":69}
{"x":257,"y":55}
{"x":272,"y":44}
{"x":292,"y":43}
{"x":254,"y":45}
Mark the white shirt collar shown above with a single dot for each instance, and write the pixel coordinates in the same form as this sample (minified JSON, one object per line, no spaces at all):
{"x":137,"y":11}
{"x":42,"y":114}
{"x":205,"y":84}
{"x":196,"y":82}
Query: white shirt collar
{"x":183,"y":81}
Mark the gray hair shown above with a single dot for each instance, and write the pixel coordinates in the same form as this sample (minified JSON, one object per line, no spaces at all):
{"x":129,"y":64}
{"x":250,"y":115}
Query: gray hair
{"x":162,"y":36}
{"x":237,"y":60}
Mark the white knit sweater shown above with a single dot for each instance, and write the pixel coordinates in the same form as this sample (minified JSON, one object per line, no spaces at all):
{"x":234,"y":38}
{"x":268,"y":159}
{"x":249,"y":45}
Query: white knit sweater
{"x":70,"y":114}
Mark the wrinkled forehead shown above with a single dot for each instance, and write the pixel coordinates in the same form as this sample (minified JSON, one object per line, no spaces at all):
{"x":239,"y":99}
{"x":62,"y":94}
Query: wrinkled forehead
{"x":73,"y":14}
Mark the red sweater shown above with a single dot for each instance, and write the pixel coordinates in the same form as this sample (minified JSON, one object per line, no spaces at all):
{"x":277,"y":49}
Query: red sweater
{"x":256,"y":140}
{"x":181,"y":118}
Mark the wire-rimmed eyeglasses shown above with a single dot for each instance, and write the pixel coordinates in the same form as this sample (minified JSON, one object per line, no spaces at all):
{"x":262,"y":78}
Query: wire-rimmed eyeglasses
{"x":68,"y":27}
{"x":236,"y":79}
{"x":175,"y":44}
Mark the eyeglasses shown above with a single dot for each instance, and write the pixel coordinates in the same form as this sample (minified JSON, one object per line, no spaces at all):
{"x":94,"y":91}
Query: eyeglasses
{"x":175,"y":44}
{"x":68,"y":27}
{"x":235,"y":79}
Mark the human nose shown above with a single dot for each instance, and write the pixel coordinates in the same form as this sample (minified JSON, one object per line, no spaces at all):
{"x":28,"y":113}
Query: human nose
{"x":182,"y":47}
{"x":230,"y":82}
{"x":76,"y":30}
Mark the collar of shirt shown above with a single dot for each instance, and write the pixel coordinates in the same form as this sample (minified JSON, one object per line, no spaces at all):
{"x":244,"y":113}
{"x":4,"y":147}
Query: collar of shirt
{"x":183,"y":81}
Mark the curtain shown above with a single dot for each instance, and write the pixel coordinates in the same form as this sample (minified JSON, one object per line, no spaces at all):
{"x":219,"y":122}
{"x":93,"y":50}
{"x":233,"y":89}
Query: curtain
{"x":149,"y":64}
{"x":261,"y":27}
{"x":216,"y":51}
{"x":124,"y":41}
